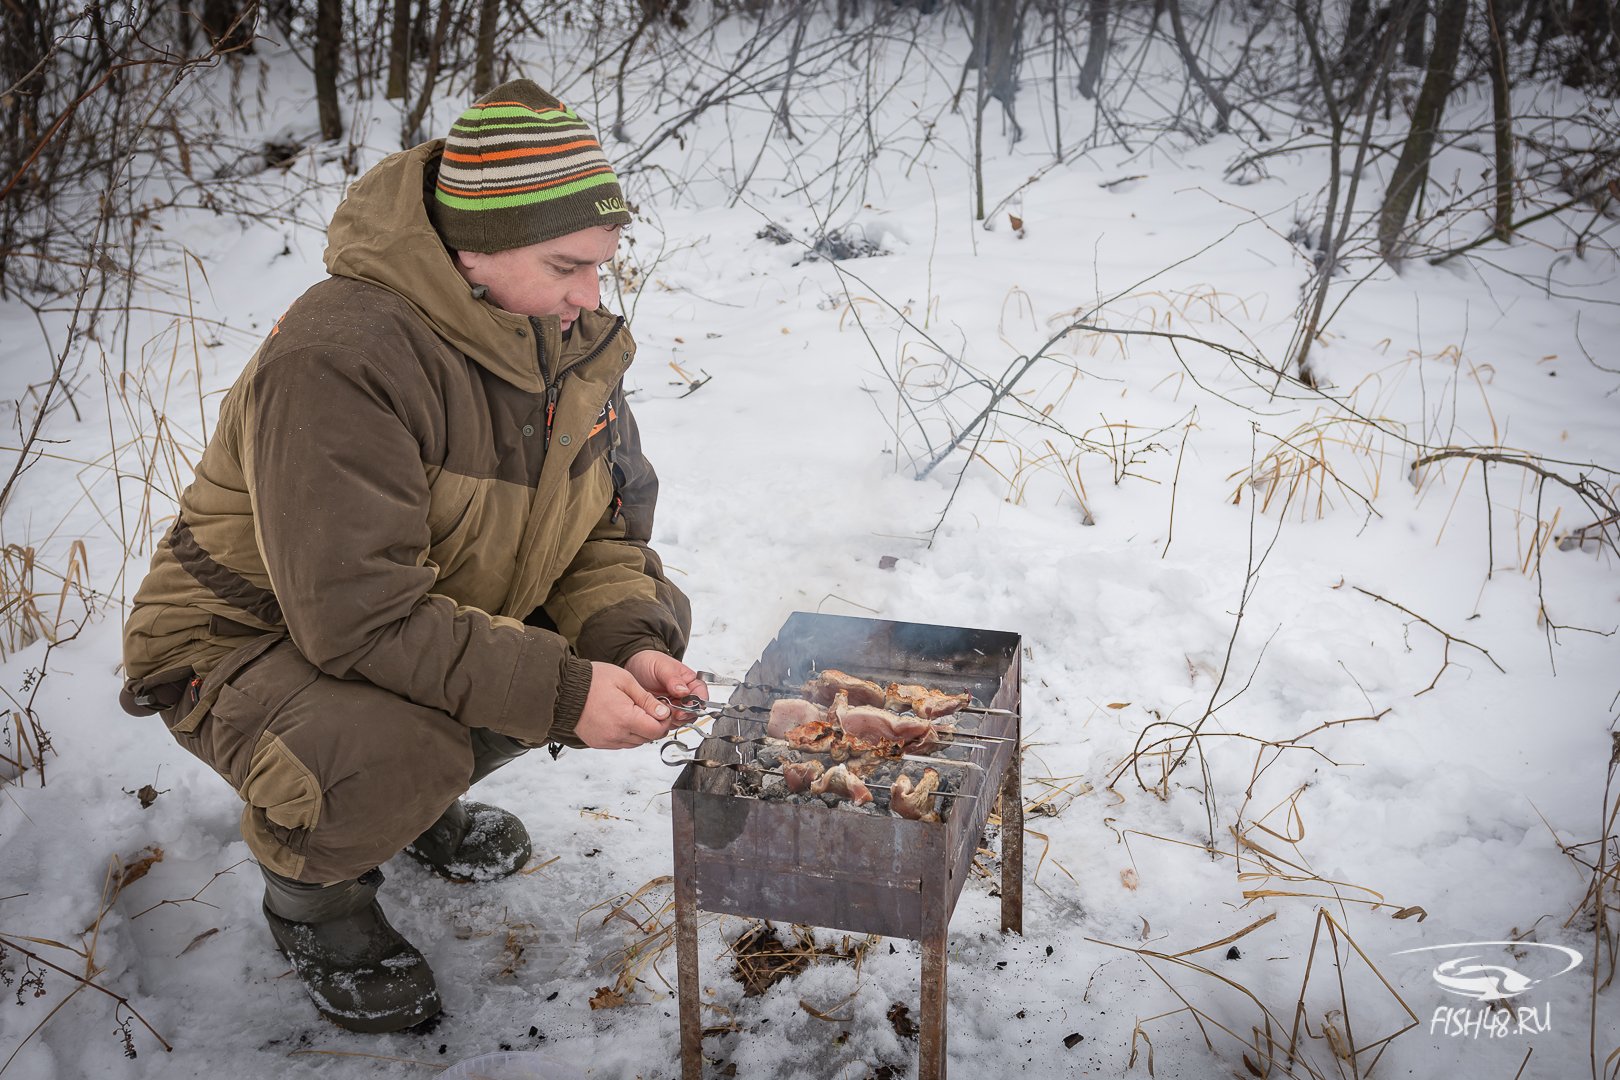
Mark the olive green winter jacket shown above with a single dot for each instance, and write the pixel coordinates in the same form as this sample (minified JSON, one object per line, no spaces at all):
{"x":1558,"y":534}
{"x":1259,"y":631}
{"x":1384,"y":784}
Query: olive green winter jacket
{"x":401,"y":476}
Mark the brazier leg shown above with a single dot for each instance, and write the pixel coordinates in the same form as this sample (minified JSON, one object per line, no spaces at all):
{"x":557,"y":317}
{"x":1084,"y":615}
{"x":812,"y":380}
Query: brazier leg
{"x":686,"y":950}
{"x":931,"y":1048}
{"x":1012,"y":845}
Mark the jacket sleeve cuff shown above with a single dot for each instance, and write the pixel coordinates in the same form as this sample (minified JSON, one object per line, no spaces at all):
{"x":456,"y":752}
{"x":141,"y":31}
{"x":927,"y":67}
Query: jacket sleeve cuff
{"x":630,"y":648}
{"x":571,"y":694}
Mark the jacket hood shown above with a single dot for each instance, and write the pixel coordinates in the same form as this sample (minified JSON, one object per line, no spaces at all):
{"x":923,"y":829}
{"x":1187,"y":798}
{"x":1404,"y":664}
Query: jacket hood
{"x":381,"y":234}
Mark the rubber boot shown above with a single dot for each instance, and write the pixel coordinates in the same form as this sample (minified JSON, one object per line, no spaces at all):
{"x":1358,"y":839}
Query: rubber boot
{"x":358,"y":970}
{"x":472,"y":841}
{"x":491,"y":750}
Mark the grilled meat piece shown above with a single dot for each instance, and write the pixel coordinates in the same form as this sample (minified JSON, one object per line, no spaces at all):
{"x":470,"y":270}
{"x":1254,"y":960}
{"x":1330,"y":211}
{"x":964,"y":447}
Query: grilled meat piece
{"x":800,"y":775}
{"x":914,"y":800}
{"x":824,"y":687}
{"x":841,"y":782}
{"x":824,"y":737}
{"x":867,"y":722}
{"x":817,"y":735}
{"x":925,"y":702}
{"x":938,"y":735}
{"x":789,"y":713}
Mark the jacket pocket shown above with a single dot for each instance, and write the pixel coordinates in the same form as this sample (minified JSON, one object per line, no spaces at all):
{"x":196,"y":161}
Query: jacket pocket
{"x":233,"y":728}
{"x":226,"y":669}
{"x":282,"y":786}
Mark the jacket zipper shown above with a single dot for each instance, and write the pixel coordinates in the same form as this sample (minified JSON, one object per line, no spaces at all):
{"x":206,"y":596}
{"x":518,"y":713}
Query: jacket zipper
{"x":554,"y":386}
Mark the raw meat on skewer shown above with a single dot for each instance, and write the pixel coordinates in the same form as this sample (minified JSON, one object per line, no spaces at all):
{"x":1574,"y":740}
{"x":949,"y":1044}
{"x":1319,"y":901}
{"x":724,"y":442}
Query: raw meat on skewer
{"x":866,"y":722}
{"x":789,"y":713}
{"x":914,"y":801}
{"x":800,"y":775}
{"x":870,"y":722}
{"x":824,"y":687}
{"x":839,"y":781}
{"x":925,"y":702}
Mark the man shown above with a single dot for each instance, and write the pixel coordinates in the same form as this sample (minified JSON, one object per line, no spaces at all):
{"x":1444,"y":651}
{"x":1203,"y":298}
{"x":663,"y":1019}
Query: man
{"x":416,"y":544}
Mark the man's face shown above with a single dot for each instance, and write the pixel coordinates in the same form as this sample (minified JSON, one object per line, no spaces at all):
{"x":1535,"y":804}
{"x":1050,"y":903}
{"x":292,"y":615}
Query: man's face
{"x":554,"y":277}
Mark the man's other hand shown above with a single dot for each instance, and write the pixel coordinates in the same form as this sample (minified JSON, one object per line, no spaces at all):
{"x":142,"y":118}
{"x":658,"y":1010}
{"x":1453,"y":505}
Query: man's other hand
{"x":619,"y":713}
{"x":660,"y":673}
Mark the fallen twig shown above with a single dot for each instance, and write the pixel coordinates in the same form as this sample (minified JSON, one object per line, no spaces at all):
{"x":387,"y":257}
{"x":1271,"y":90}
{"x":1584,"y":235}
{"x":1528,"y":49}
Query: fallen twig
{"x":1446,"y":660}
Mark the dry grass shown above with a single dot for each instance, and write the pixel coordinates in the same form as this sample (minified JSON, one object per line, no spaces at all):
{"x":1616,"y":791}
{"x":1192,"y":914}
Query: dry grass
{"x":1321,"y":1043}
{"x":37,"y":601}
{"x":1599,"y":906}
{"x":22,"y":734}
{"x":761,"y":958}
{"x":650,"y":913}
{"x":1299,"y":469}
{"x":39,"y":966}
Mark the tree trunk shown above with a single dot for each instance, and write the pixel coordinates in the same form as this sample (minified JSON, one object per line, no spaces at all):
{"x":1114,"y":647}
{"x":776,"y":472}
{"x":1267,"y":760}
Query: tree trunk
{"x":1412,"y":170}
{"x":422,"y":28}
{"x":1589,"y":24}
{"x":997,"y":53}
{"x":1096,"y":48}
{"x":489,"y":14}
{"x":1501,"y":107}
{"x":1415,"y":30}
{"x":1184,"y":45}
{"x":328,"y":54}
{"x":435,"y":55}
{"x":1359,"y":9}
{"x":399,"y":51}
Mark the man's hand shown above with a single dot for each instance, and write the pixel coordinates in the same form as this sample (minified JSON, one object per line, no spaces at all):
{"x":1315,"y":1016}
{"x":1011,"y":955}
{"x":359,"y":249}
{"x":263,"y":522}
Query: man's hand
{"x":660,"y":673}
{"x":619,"y":713}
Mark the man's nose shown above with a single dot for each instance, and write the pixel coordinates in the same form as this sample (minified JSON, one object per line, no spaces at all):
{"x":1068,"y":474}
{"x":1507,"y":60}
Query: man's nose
{"x":587,"y":294}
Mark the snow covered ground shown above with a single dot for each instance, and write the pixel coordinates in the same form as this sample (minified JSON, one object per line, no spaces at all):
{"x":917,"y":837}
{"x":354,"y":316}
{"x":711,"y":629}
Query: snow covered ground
{"x":788,"y":476}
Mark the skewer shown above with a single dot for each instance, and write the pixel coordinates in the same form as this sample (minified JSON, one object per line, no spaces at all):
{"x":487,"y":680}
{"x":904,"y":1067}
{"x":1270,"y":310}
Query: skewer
{"x":673,"y":743}
{"x":797,"y":691}
{"x":711,"y":763}
{"x":699,"y":709}
{"x":951,"y":733}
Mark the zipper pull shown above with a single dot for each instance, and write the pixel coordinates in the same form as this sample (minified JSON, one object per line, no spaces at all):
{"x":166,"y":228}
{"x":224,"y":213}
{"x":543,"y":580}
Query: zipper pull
{"x":551,"y":411}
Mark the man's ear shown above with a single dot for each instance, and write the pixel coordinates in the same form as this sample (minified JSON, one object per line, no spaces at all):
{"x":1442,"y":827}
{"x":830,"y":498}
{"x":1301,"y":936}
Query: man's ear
{"x":469,"y":260}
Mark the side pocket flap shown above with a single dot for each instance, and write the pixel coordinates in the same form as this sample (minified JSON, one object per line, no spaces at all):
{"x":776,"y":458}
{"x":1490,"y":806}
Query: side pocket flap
{"x":282,"y":786}
{"x":226,"y":668}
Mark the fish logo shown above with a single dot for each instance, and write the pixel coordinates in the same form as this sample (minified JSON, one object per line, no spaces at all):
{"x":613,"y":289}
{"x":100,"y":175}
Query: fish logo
{"x":1491,"y":982}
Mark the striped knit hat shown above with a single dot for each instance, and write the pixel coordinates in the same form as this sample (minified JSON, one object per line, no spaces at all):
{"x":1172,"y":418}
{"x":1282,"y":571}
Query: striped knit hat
{"x":521,"y":167}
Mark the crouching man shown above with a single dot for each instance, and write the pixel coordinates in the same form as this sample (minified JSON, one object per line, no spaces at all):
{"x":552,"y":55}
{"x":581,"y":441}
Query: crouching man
{"x":416,"y":544}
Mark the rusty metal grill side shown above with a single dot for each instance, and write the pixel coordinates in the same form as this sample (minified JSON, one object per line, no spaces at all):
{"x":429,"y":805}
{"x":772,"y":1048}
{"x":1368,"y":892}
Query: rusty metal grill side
{"x":834,"y":867}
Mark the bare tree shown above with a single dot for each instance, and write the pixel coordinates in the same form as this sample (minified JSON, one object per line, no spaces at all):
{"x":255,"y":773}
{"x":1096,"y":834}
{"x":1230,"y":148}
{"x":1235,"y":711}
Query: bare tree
{"x":1096,"y":46}
{"x":1223,"y":108}
{"x":1337,"y":216}
{"x":1415,"y":35}
{"x":328,"y":56}
{"x":1412,"y":170}
{"x":399,"y":50}
{"x":1596,"y":58}
{"x":489,"y":14}
{"x":1502,"y":120}
{"x":412,"y":133}
{"x":995,"y":56}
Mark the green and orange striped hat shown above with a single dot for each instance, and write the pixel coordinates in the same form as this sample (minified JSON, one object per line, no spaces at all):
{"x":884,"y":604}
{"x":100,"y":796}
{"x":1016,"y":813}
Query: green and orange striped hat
{"x":520,"y":167}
